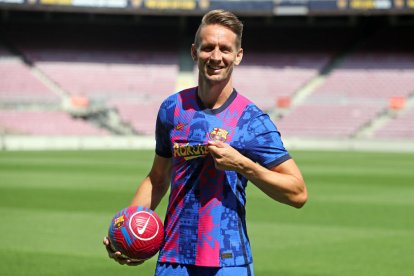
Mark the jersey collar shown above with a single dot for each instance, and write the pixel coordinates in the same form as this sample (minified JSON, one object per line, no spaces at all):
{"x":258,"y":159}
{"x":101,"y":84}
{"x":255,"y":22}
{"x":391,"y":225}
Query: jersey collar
{"x":224,"y":106}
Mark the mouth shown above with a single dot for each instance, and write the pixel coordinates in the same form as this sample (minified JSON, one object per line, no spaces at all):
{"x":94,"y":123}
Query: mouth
{"x":214,"y":69}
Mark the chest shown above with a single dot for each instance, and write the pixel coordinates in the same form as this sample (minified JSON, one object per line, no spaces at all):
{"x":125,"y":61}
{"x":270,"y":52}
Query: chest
{"x":198,"y":127}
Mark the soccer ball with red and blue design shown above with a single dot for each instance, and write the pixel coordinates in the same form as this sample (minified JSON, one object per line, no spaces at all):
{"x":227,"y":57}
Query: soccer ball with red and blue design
{"x":137,"y":232}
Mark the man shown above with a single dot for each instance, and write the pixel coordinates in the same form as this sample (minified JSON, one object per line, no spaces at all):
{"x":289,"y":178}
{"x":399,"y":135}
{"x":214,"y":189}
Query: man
{"x":210,"y":141}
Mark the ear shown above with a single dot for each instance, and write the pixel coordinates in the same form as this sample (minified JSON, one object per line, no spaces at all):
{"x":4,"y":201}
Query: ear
{"x":194,"y":52}
{"x":239,"y":56}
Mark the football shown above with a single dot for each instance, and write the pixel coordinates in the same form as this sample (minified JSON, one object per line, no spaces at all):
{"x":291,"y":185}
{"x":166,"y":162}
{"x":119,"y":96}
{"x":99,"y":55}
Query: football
{"x":137,"y":232}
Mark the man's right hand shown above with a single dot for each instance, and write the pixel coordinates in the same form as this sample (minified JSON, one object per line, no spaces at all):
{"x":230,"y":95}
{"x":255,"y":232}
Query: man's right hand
{"x":118,"y":257}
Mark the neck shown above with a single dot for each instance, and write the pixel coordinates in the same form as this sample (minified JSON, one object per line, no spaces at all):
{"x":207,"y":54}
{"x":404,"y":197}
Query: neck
{"x":214,"y":95}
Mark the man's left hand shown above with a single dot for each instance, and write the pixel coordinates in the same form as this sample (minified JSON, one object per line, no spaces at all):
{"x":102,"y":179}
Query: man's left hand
{"x":225,"y":156}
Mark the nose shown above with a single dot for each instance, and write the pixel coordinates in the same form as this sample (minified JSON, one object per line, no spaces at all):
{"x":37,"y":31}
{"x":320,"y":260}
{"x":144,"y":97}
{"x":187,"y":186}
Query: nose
{"x":216,"y":54}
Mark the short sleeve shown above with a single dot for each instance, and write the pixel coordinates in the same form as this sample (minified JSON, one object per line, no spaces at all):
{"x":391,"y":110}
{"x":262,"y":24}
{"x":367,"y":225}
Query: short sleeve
{"x":162,"y":130}
{"x":263,"y":143}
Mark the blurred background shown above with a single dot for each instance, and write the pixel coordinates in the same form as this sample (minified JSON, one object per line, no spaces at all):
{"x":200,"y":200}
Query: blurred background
{"x":82,"y":74}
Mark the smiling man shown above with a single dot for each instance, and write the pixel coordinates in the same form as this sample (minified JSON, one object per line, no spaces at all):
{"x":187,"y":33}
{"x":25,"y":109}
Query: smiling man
{"x":210,"y":141}
{"x":217,"y":50}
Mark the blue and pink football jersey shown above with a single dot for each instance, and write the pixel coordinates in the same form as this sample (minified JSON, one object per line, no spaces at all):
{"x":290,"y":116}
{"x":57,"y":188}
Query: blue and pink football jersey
{"x":205,"y":222}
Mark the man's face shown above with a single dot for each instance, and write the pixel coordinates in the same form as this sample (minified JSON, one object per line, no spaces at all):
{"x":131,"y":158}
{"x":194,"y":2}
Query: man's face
{"x":216,"y":53}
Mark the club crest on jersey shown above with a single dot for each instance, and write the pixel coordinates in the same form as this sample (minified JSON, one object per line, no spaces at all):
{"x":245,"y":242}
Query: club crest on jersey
{"x":119,"y":222}
{"x":219,"y":134}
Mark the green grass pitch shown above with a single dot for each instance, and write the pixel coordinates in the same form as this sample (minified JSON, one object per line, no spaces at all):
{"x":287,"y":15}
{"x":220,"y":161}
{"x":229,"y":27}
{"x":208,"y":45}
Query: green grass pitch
{"x":55,"y":209}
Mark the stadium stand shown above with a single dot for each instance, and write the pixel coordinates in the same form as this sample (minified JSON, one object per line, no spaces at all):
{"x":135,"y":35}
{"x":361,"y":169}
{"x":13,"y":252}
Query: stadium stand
{"x":264,"y":84}
{"x":276,"y":63}
{"x":18,"y":85}
{"x":402,"y":127}
{"x":101,"y":65}
{"x":140,"y":115}
{"x":122,"y":74}
{"x":331,"y":120}
{"x":371,"y":75}
{"x":361,"y":84}
{"x":49,"y":123}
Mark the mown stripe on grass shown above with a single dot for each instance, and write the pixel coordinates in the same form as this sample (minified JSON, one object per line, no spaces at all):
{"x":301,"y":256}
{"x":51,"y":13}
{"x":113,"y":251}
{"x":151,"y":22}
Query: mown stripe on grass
{"x":27,"y":263}
{"x":78,"y":181}
{"x":64,"y":200}
{"x":300,"y":249}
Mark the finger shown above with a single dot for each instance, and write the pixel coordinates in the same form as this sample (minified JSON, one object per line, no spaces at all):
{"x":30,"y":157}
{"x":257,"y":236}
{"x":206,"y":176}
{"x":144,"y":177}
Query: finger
{"x":120,"y":256}
{"x":121,"y":261}
{"x":211,"y":143}
{"x":117,"y":255}
{"x":105,"y":241}
{"x":213,"y":150}
{"x":108,"y":246}
{"x":112,"y":254}
{"x":216,"y":143}
{"x":133,"y":262}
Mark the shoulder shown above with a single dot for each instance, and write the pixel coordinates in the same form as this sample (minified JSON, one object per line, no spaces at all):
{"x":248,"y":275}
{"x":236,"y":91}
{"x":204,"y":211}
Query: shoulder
{"x":250,"y":111}
{"x":174,"y":104}
{"x":249,"y":106}
{"x":178,"y":97}
{"x":256,"y":120}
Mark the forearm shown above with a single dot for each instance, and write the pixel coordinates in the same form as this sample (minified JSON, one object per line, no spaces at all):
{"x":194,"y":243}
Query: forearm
{"x":149,"y":194}
{"x":283,"y":183}
{"x":153,"y":188}
{"x":287,"y":187}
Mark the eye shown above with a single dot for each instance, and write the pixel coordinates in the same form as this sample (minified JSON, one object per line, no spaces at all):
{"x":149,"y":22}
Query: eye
{"x":207,"y":48}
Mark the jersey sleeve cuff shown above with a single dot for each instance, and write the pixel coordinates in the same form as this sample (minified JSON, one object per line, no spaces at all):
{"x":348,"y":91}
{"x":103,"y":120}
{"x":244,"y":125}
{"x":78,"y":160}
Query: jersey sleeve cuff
{"x":278,"y":161}
{"x":163,"y":154}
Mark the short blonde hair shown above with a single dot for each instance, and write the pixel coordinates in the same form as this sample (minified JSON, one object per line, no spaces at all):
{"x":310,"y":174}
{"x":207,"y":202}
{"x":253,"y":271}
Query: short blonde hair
{"x":223,"y":18}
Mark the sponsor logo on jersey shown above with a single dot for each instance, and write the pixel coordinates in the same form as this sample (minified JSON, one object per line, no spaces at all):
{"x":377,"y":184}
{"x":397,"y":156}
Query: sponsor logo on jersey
{"x":188,"y":151}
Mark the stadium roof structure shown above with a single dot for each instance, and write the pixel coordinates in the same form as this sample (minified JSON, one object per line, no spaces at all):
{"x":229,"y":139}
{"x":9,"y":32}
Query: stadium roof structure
{"x":197,"y":7}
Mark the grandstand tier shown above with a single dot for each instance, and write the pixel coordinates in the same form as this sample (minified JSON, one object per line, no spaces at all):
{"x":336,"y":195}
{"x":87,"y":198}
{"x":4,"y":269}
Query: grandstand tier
{"x":327,"y":120}
{"x":140,"y":115}
{"x":369,"y":75}
{"x":48,"y":123}
{"x":402,"y":127}
{"x":132,"y":69}
{"x":19,"y":85}
{"x":103,"y":63}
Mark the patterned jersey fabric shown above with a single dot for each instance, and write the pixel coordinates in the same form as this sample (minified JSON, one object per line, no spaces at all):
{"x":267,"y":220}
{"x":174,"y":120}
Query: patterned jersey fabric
{"x":205,"y":222}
